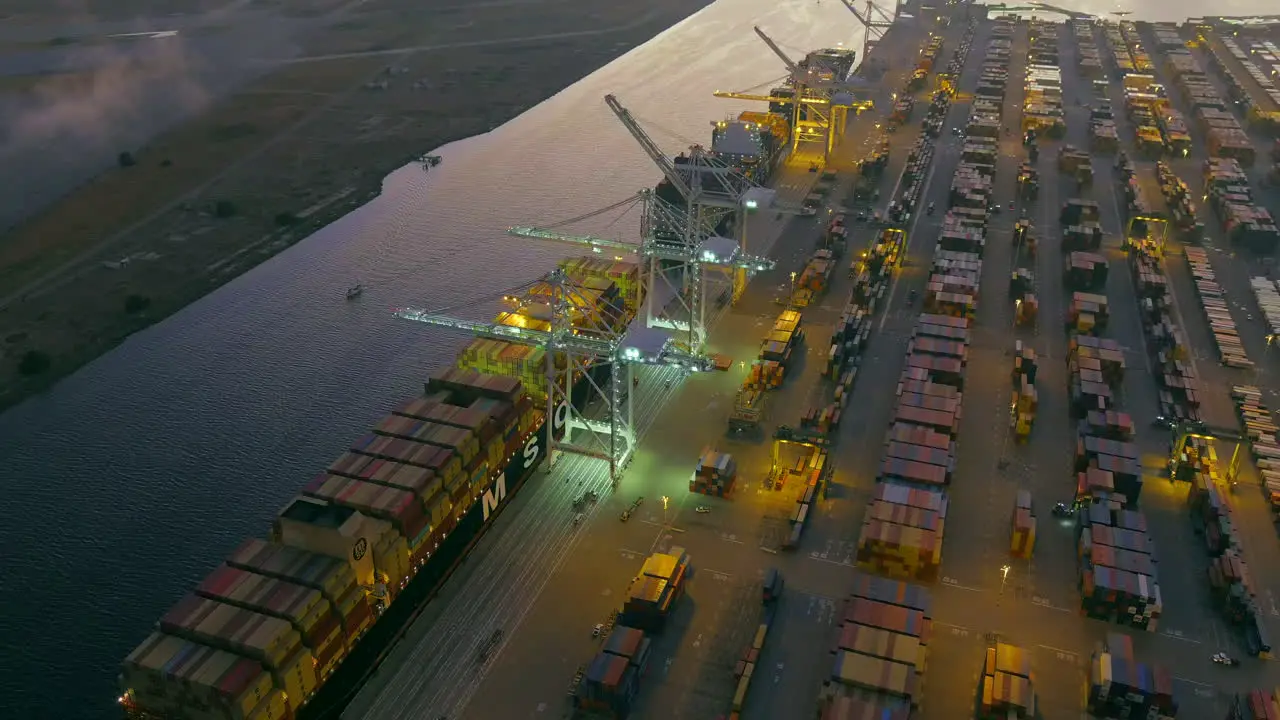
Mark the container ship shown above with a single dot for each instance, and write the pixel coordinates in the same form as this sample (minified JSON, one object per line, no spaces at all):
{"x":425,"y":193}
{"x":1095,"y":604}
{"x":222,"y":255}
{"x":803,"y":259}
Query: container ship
{"x":289,"y":628}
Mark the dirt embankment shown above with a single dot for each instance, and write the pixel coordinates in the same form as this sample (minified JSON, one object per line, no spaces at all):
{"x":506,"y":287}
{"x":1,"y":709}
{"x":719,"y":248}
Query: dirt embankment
{"x":285,"y":156}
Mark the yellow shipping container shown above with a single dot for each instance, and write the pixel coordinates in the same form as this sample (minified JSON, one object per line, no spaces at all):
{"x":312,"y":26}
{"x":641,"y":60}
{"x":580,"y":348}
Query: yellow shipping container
{"x":273,"y":707}
{"x":439,"y":508}
{"x":297,"y":677}
{"x":166,"y":674}
{"x":347,"y":605}
{"x":498,"y":357}
{"x":625,"y":275}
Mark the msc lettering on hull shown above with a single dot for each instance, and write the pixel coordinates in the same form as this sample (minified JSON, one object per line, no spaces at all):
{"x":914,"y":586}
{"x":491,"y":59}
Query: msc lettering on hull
{"x":529,"y":457}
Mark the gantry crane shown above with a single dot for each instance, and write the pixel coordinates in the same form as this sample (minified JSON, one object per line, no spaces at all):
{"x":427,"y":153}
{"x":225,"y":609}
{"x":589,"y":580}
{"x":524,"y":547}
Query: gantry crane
{"x":657,"y":253}
{"x":1183,"y":431}
{"x":819,"y":107}
{"x":576,"y":348}
{"x":875,"y":20}
{"x":711,"y":192}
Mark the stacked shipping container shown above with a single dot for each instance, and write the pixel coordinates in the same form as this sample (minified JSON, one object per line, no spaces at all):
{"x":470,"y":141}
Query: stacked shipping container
{"x":1122,"y":688}
{"x":1022,"y":541}
{"x":1118,"y":567}
{"x":654,"y":592}
{"x":1042,"y":104}
{"x":1166,"y":343}
{"x":1007,"y":690}
{"x":601,"y":293}
{"x":1213,"y":304}
{"x":745,"y":669}
{"x":612,"y":679}
{"x":263,"y":631}
{"x":1241,"y":217}
{"x":715,"y":474}
{"x":879,"y":653}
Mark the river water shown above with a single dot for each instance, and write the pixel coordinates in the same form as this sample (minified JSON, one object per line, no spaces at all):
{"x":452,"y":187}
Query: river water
{"x":131,"y":479}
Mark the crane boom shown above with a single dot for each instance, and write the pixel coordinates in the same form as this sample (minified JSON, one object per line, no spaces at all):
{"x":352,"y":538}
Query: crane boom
{"x":651,"y":148}
{"x":754,"y":263}
{"x":599,"y":347}
{"x":766,"y":98}
{"x":591,"y":241}
{"x":795,"y":69}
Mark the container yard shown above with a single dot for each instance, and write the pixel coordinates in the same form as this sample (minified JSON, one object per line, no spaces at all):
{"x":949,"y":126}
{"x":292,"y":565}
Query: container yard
{"x":944,"y":480}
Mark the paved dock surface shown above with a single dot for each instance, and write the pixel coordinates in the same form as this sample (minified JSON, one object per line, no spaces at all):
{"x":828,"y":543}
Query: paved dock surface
{"x":544,"y":583}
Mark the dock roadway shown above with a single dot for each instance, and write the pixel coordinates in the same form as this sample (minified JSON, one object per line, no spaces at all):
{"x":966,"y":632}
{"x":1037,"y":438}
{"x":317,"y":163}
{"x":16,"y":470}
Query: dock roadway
{"x":437,"y":669}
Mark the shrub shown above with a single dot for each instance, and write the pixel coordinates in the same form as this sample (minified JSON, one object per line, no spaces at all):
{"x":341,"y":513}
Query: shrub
{"x":34,"y":362}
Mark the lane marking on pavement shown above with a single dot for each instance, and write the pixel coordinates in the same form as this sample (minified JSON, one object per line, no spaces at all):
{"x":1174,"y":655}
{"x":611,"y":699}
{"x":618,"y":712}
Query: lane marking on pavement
{"x":1189,"y":681}
{"x":1047,"y":604}
{"x":815,"y":558}
{"x":1058,"y":650}
{"x":952,"y":582}
{"x":629,"y":551}
{"x":1181,"y":637}
{"x":717,"y":573}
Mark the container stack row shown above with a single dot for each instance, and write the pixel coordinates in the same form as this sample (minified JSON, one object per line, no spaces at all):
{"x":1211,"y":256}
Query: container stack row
{"x":872,"y":272}
{"x":600,"y":293}
{"x":653,"y":593}
{"x":878,"y":658}
{"x":715,"y":474}
{"x":806,"y":475}
{"x":993,"y":74}
{"x":1081,"y":228}
{"x":1022,"y":410}
{"x":1117,"y":567}
{"x":1177,"y":195}
{"x":1238,"y":56}
{"x":611,"y":681}
{"x":1176,"y":381}
{"x":1199,"y":93}
{"x":1121,"y":688}
{"x":902,"y":532}
{"x":1088,"y":59}
{"x":930,"y":56}
{"x":814,"y":279}
{"x":1255,"y":705}
{"x":1077,"y":164}
{"x":262,"y":632}
{"x":1245,"y":222}
{"x":744,"y":670}
{"x":1260,"y":436}
{"x":1042,"y":111}
{"x":1022,"y":542}
{"x":1268,"y":299}
{"x":1095,"y":370}
{"x":1213,"y":304}
{"x":1229,"y":578}
{"x":779,"y":348}
{"x":1007,"y":691}
{"x":1087,"y":313}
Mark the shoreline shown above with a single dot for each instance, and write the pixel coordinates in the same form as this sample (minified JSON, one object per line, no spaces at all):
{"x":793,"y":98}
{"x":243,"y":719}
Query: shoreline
{"x":88,"y":298}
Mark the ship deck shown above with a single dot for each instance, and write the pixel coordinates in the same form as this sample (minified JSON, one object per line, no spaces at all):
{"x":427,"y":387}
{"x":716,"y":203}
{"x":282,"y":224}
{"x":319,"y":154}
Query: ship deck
{"x":545,"y":582}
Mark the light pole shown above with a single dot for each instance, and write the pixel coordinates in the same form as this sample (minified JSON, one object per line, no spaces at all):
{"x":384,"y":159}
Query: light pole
{"x":1004,"y":577}
{"x":665,"y":500}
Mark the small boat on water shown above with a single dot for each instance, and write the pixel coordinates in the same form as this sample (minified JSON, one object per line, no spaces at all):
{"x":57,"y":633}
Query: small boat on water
{"x":355,"y":291}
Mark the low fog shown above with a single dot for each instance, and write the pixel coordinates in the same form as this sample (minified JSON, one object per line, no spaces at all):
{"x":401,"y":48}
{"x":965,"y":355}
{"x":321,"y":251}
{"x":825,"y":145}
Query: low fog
{"x":85,"y":98}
